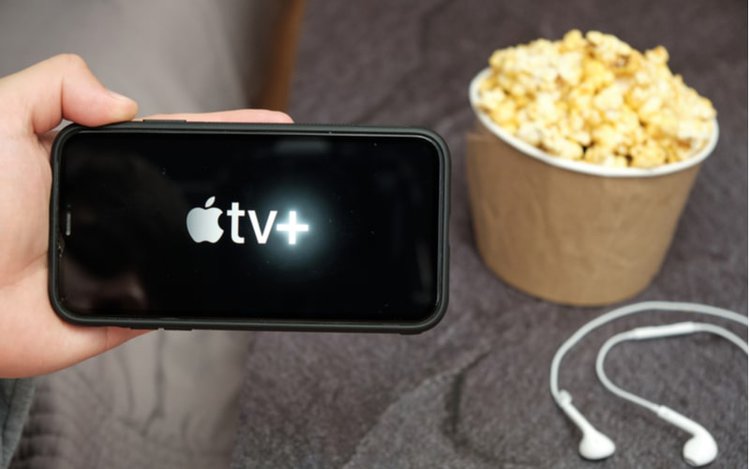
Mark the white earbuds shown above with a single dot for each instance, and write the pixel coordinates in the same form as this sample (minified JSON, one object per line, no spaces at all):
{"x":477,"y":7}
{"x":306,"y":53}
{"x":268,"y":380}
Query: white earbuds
{"x":701,"y":448}
{"x":594,"y":444}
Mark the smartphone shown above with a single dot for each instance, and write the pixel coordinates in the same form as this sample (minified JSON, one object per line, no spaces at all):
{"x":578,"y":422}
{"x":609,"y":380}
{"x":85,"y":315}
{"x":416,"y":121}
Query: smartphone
{"x":183,"y":225}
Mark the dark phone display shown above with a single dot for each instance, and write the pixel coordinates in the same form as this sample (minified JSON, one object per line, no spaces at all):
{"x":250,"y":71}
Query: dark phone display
{"x":249,"y":226}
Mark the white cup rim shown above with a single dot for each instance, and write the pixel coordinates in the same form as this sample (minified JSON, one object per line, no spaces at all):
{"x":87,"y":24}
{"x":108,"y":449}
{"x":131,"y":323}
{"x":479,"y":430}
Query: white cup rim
{"x":582,"y":166}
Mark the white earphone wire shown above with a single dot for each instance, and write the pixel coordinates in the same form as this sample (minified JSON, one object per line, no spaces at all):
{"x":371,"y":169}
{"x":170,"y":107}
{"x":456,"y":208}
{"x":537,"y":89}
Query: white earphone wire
{"x":625,"y":311}
{"x":655,"y":332}
{"x":699,"y":450}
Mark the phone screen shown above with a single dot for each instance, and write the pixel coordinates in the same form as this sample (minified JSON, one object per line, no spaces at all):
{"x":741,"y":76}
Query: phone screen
{"x":249,"y":225}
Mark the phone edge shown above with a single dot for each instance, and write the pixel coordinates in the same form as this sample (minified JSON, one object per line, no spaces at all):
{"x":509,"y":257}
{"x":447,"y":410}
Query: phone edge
{"x":258,"y":324}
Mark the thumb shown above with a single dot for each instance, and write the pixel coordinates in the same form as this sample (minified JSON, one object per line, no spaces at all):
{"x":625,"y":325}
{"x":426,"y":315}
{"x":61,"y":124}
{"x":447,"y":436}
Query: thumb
{"x":38,"y":98}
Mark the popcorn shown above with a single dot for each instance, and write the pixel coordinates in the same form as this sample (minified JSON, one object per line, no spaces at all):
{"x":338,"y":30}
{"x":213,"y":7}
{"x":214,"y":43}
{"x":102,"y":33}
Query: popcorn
{"x":594,"y":98}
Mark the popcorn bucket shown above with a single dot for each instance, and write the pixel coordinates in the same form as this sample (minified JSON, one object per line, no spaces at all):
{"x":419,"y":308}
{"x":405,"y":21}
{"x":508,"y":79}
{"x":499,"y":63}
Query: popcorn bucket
{"x":568,"y":231}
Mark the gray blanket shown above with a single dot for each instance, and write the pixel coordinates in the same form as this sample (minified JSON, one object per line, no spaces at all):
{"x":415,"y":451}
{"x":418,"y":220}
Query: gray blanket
{"x":473,"y":392}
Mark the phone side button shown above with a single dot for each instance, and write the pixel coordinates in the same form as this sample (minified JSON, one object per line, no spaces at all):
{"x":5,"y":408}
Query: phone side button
{"x":168,"y":328}
{"x":164,"y":121}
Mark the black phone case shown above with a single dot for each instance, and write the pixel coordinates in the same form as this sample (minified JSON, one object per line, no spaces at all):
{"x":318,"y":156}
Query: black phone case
{"x":178,"y":126}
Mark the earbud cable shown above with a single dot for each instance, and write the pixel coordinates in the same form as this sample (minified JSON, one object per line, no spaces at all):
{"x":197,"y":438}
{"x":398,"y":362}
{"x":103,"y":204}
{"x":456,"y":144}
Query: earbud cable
{"x":693,"y":327}
{"x":557,"y":393}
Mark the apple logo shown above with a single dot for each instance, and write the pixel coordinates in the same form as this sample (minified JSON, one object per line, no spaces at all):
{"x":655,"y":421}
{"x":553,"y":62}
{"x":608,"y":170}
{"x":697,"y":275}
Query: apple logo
{"x":203,"y":223}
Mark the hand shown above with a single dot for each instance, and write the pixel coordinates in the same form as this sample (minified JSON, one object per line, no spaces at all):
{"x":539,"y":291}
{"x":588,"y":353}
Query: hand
{"x":33,"y":339}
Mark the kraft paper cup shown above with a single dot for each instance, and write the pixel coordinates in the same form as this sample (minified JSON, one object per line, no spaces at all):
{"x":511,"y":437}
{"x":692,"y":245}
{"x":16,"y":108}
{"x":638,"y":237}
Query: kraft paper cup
{"x":568,"y":231}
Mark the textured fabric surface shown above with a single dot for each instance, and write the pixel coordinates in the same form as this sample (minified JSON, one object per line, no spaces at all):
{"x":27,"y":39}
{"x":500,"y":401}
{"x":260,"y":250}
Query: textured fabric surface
{"x":15,"y":401}
{"x":166,"y":399}
{"x":473,"y":392}
{"x":171,"y":56}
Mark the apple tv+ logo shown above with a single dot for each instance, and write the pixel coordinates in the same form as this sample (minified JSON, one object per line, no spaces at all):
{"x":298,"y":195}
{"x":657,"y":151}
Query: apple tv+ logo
{"x":203,"y":224}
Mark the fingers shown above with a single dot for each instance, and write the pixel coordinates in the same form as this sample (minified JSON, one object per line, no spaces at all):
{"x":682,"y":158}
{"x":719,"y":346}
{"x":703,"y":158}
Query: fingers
{"x":239,"y":115}
{"x":37,"y":98}
{"x":34,"y":340}
{"x":114,"y":336}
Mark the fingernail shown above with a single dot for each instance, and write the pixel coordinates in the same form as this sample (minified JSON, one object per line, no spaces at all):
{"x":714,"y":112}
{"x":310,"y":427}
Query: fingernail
{"x":119,"y":96}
